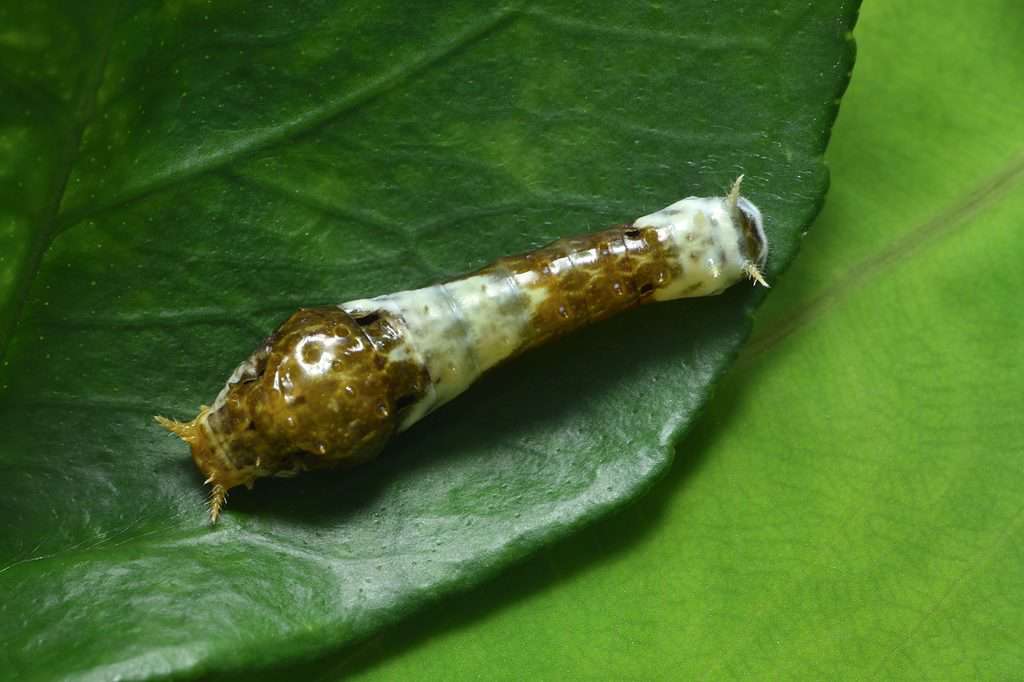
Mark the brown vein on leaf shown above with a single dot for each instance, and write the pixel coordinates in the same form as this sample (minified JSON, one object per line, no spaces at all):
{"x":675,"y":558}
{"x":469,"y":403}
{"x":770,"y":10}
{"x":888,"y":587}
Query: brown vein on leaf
{"x":955,"y":218}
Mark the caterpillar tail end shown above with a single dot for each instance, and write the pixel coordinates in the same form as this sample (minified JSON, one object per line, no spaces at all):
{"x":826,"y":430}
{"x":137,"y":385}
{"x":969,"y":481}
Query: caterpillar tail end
{"x":754,"y":273}
{"x":187,"y":431}
{"x":192,"y":433}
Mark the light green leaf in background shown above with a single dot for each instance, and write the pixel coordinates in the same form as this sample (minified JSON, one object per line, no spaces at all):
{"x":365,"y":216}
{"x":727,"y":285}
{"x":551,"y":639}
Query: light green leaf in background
{"x":178,"y":177}
{"x":851,"y":505}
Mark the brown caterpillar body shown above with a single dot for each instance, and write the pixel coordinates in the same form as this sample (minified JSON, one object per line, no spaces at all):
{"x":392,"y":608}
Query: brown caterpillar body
{"x":331,"y":385}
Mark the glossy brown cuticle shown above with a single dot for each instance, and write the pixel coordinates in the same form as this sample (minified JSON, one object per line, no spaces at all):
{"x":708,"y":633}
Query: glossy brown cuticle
{"x":332,"y":385}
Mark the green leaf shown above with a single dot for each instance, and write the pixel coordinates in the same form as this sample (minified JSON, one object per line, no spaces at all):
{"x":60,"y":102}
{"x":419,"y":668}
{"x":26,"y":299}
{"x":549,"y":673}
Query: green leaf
{"x":849,"y":507}
{"x":183,"y":175}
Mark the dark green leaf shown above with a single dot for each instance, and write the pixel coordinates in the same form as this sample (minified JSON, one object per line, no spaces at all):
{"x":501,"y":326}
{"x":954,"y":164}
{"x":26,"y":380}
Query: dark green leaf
{"x":183,"y":175}
{"x":849,"y":506}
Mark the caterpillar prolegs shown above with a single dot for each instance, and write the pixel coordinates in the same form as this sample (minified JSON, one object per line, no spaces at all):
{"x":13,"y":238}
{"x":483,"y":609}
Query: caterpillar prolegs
{"x":331,"y":385}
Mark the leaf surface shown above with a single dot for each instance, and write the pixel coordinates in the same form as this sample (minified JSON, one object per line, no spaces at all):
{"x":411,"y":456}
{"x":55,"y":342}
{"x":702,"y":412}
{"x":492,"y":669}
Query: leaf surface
{"x":850,"y":505}
{"x":184,"y":175}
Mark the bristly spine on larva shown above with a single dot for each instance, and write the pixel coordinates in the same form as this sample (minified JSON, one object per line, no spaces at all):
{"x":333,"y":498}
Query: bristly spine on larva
{"x":331,"y":385}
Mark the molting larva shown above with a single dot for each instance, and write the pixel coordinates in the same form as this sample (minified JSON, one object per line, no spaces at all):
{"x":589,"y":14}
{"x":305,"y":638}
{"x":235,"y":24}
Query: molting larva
{"x":331,"y":385}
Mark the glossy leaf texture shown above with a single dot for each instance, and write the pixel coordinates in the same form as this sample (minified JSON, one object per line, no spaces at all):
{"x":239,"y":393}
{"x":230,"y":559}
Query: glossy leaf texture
{"x":849,"y":507}
{"x":180,"y":176}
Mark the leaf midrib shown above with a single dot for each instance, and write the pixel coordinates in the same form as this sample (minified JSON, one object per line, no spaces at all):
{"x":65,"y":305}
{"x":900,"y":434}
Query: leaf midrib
{"x":54,"y":221}
{"x":311,"y":120}
{"x":84,"y":110}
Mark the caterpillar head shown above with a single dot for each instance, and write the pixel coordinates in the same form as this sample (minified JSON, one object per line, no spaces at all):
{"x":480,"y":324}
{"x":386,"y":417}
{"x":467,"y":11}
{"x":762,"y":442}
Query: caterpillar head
{"x":748,"y":216}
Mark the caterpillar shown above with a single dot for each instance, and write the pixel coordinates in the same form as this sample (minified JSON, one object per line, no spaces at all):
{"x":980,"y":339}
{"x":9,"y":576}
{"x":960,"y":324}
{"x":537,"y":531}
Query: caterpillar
{"x":331,"y":385}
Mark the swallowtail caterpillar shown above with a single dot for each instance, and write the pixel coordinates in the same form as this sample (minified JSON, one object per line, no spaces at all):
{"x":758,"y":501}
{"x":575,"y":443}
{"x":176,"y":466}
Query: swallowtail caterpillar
{"x":331,"y":385}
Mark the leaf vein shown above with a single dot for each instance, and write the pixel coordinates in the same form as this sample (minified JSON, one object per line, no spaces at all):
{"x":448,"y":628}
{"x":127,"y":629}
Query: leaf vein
{"x":946,"y":223}
{"x":196,"y":165}
{"x":83,"y":113}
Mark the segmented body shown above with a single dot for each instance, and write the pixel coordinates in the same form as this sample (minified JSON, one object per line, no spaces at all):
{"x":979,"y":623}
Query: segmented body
{"x":331,"y":385}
